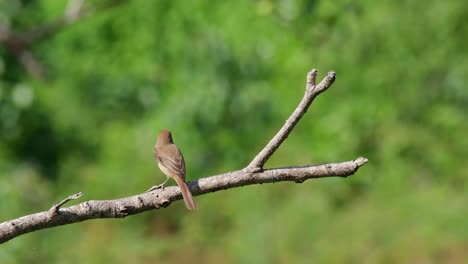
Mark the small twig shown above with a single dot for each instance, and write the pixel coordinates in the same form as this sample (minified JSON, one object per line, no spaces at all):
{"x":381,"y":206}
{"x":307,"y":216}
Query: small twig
{"x":311,"y":92}
{"x":53,"y":211}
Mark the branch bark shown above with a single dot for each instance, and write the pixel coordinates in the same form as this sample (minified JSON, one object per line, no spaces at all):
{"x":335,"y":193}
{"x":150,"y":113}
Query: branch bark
{"x":252,"y":174}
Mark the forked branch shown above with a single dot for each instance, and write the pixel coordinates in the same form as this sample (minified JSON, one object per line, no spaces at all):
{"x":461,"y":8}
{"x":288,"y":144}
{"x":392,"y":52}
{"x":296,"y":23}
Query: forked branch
{"x":252,"y":174}
{"x":312,"y":90}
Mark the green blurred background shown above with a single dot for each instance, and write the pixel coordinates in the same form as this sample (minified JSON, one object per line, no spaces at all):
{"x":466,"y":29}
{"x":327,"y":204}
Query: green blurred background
{"x":223,"y":76}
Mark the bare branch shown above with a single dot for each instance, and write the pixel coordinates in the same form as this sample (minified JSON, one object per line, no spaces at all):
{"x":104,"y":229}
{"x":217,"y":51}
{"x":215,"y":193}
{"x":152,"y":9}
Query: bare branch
{"x":123,"y":207}
{"x":252,"y":174}
{"x":311,"y":92}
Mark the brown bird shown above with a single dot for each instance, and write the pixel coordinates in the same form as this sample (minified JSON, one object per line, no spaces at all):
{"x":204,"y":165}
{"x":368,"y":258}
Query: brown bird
{"x":172,"y":164}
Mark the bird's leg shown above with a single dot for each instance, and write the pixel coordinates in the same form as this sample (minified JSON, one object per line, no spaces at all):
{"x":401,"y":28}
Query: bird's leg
{"x":160,"y":186}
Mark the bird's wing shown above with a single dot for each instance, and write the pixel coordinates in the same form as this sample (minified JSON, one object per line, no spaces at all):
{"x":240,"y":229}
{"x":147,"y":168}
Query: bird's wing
{"x":171,"y":158}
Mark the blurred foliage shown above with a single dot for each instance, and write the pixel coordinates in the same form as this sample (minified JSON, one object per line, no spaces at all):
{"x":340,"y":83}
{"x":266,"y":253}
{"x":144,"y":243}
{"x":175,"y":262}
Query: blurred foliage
{"x":223,"y":76}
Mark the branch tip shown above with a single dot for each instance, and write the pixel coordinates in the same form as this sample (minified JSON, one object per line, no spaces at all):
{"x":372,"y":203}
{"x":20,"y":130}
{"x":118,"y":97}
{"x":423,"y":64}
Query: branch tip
{"x":312,"y":77}
{"x":75,"y":196}
{"x":360,"y":161}
{"x":326,"y":82}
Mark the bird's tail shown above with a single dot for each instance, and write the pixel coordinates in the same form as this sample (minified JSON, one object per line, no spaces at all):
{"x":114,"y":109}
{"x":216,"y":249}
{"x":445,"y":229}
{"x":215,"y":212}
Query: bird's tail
{"x":186,"y":194}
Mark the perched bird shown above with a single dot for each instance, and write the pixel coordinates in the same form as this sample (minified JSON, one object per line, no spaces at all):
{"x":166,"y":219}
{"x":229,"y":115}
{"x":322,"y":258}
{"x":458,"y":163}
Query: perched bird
{"x":172,"y":164}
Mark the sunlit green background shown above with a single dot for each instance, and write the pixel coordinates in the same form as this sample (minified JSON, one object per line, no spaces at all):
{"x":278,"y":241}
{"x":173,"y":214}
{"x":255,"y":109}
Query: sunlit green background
{"x":223,"y":76}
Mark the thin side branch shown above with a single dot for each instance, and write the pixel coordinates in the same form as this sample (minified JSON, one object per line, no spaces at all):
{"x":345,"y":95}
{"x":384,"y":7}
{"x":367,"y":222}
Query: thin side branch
{"x":56,"y":207}
{"x":252,"y":174}
{"x":311,"y":92}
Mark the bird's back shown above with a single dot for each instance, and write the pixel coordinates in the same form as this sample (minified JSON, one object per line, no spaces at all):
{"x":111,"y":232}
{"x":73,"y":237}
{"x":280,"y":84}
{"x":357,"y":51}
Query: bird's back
{"x":169,"y":156}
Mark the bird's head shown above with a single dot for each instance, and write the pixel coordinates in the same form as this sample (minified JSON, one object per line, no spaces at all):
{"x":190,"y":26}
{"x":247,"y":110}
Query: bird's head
{"x":164,"y":137}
